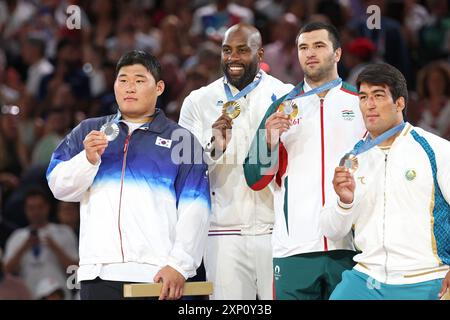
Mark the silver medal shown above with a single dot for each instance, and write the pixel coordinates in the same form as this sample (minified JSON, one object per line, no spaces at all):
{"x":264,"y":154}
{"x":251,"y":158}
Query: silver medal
{"x":111,"y":130}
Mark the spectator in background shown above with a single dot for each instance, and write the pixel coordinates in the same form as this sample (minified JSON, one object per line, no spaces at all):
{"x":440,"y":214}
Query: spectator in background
{"x":174,"y":79}
{"x":434,"y":36}
{"x":11,"y":287}
{"x":93,"y":58}
{"x":332,"y":9}
{"x":271,"y":9}
{"x":389,"y":40}
{"x":33,"y":53}
{"x":103,"y":14}
{"x":57,"y":125}
{"x":146,"y":34}
{"x":359,"y":53}
{"x":212,"y":20}
{"x":208,"y":55}
{"x":7,"y":94}
{"x":13,"y":153}
{"x":416,"y":16}
{"x":105,"y":103}
{"x":42,"y":248}
{"x":281,"y":55}
{"x":68,"y":70}
{"x":433,"y":88}
{"x":174,"y":39}
{"x":68,"y":213}
{"x":13,"y":14}
{"x":196,"y":77}
{"x":49,"y":288}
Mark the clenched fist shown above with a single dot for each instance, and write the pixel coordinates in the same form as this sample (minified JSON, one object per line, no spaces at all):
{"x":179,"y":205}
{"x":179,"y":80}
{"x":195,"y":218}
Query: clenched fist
{"x":95,"y":144}
{"x":276,"y":124}
{"x":221,"y":129}
{"x":344,"y":184}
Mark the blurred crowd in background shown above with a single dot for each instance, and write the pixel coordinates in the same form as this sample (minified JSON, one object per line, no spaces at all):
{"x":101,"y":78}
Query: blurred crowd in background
{"x":53,"y":77}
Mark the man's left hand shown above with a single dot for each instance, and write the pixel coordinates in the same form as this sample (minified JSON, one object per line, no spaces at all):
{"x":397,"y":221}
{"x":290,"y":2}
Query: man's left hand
{"x":173,"y":283}
{"x":445,"y":285}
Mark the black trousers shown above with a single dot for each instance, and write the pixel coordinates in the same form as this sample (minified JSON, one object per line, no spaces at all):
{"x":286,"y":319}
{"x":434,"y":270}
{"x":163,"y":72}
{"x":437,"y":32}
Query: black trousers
{"x":99,"y":289}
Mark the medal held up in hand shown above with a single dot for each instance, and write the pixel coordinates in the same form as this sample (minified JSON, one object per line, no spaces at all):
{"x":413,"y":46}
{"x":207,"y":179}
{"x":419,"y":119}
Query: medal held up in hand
{"x":111,"y":130}
{"x":349,"y":161}
{"x":289,"y":108}
{"x":231,"y":109}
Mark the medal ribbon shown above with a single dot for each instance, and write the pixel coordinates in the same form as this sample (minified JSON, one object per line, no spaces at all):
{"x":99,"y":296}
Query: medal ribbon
{"x":294,"y":93}
{"x":244,"y":91}
{"x":369,"y":143}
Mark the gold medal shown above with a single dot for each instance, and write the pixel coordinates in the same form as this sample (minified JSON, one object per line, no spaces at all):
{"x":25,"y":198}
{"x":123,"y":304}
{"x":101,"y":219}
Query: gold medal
{"x":289,"y":108}
{"x":111,"y":130}
{"x":350,"y":162}
{"x":231,"y":109}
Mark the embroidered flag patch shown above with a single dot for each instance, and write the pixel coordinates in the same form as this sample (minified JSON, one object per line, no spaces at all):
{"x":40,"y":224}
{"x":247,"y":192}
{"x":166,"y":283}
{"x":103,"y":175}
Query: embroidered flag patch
{"x":163,"y":142}
{"x":348,"y":115}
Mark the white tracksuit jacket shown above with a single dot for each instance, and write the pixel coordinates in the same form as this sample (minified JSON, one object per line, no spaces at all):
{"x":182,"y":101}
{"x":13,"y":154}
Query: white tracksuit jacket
{"x":137,"y":205}
{"x":400,"y":215}
{"x":236,"y":209}
{"x":322,"y":132}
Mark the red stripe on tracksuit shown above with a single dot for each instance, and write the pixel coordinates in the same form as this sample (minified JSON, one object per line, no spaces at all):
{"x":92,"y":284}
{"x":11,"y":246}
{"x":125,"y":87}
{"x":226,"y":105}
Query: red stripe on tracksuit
{"x":322,"y":144}
{"x":263,"y":182}
{"x":125,"y":152}
{"x":348,"y":91}
{"x":274,"y":296}
{"x":282,"y":164}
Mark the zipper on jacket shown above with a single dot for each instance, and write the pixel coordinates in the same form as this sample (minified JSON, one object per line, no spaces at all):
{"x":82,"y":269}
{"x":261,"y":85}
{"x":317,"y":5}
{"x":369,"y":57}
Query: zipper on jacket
{"x":384,"y":218}
{"x":125,"y":152}
{"x":322,"y":144}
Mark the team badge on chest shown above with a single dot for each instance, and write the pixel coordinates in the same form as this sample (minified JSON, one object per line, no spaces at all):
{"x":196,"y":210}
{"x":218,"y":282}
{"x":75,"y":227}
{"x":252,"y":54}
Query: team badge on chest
{"x":410,"y":174}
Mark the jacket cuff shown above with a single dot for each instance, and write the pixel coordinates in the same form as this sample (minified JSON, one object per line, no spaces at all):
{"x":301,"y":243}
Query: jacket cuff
{"x":344,"y":208}
{"x":86,"y":162}
{"x":177,"y":267}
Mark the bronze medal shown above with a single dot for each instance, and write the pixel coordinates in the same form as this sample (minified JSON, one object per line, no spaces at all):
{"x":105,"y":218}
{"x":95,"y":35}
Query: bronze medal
{"x":350,"y":162}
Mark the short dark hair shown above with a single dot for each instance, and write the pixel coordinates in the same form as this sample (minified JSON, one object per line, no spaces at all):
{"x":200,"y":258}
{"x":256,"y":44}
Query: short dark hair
{"x":333,"y":34}
{"x":141,"y":57}
{"x":385,"y":74}
{"x":38,"y":43}
{"x":37,"y":192}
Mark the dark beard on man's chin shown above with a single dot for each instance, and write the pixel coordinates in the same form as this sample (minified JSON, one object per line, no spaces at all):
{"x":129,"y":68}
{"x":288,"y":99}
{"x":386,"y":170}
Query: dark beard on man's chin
{"x":247,"y":77}
{"x":321,"y":73}
{"x":316,"y":76}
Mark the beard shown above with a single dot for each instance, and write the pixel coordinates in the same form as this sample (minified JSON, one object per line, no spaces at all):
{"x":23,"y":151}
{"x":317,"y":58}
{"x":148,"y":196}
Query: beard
{"x":321,"y":72}
{"x":250,"y":71}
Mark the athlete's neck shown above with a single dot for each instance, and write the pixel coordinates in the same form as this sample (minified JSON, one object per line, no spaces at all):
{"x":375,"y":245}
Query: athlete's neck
{"x":389,"y":141}
{"x":143,"y":119}
{"x":317,"y":83}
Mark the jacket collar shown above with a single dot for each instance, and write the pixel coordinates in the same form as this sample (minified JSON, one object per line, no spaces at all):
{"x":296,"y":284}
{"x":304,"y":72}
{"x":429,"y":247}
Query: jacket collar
{"x":157,"y":125}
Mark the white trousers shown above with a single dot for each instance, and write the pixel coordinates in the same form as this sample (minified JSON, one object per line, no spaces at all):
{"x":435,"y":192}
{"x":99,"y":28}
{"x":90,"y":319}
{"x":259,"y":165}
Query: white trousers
{"x":240,"y":267}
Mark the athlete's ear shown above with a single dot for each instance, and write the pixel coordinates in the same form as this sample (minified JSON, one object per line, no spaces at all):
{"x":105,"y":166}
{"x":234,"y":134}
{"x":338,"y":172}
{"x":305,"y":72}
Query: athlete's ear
{"x":400,"y":104}
{"x":260,"y":54}
{"x":337,"y":55}
{"x":160,"y":85}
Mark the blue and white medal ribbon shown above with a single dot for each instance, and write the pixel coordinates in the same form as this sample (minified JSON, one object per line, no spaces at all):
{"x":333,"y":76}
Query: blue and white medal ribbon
{"x":351,"y":162}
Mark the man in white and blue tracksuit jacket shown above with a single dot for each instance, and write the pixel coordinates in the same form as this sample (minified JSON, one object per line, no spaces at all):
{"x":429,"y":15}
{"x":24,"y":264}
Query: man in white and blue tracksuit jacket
{"x":396,"y":200}
{"x":144,"y":196}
